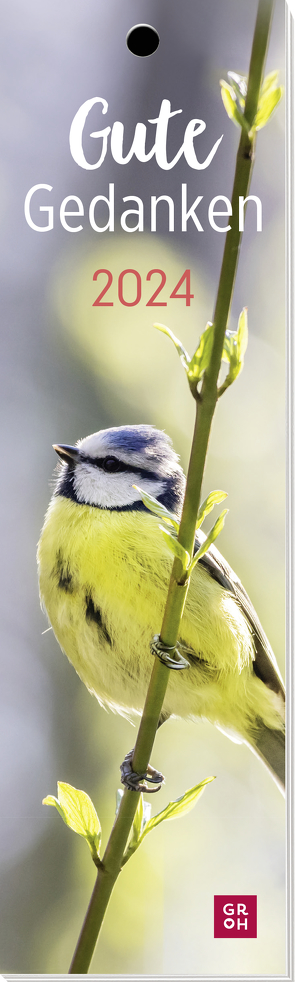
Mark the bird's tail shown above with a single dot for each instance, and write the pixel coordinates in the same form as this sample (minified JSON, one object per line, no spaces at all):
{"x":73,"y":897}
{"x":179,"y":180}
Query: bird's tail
{"x":269,"y":745}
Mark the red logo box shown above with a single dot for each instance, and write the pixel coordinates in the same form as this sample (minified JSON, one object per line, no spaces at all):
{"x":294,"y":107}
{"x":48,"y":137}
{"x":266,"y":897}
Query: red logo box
{"x":235,"y":916}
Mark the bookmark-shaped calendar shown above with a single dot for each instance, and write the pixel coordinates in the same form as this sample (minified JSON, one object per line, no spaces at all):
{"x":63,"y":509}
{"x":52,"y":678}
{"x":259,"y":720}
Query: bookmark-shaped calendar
{"x":144,"y":268}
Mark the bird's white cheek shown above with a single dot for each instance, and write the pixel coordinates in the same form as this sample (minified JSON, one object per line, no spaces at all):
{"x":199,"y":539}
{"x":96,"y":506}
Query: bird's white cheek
{"x":94,"y":487}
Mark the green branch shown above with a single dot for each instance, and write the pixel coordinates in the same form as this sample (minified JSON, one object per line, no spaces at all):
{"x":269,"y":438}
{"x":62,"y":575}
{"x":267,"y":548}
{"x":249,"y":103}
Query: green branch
{"x":206,"y":399}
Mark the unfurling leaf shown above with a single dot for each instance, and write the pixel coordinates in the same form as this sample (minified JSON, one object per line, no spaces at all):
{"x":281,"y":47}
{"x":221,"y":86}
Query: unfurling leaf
{"x":234,"y":347}
{"x":179,"y":807}
{"x":270,"y":96}
{"x":266,"y":107}
{"x":234,"y":99}
{"x":214,"y":498}
{"x":137,"y":821}
{"x":184,"y":357}
{"x":175,"y":547}
{"x":78,"y":812}
{"x":195,"y":366}
{"x":119,"y":796}
{"x":200,"y":360}
{"x":167,"y":516}
{"x":269,"y":82}
{"x":174,"y":810}
{"x":141,"y":818}
{"x":228,"y":95}
{"x":242,"y":336}
{"x":239,"y":84}
{"x":155,"y":506}
{"x":214,"y":532}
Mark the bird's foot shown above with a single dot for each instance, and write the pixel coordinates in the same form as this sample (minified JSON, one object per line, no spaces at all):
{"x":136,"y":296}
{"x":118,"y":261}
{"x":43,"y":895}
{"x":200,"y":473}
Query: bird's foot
{"x":132,"y":780}
{"x":171,"y":657}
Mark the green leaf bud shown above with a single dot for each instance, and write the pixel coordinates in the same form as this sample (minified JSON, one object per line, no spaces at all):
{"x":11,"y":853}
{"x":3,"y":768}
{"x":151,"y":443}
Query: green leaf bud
{"x":214,"y":532}
{"x":175,"y":809}
{"x":239,"y":85}
{"x":234,"y":347}
{"x":78,"y":812}
{"x":201,"y":358}
{"x":266,"y":107}
{"x":157,"y":509}
{"x":229,"y":100}
{"x":176,"y":548}
{"x":181,"y":806}
{"x":214,"y":498}
{"x":184,"y":357}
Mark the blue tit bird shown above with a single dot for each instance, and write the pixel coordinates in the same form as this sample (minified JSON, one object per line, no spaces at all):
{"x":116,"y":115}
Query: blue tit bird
{"x":104,"y":570}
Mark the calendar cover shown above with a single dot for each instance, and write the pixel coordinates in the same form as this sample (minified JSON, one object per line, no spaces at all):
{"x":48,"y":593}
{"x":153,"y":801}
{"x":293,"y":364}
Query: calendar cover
{"x":125,"y":129}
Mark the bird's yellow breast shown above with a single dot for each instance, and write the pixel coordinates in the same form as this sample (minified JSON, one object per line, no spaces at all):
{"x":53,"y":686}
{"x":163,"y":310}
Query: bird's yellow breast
{"x":103,"y":581}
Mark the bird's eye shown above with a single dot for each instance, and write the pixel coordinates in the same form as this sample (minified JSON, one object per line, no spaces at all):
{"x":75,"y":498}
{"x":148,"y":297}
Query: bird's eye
{"x":111,"y":464}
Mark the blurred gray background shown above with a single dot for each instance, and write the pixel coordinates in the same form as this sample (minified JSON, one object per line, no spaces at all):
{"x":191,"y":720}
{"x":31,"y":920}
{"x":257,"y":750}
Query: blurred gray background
{"x":68,"y":369}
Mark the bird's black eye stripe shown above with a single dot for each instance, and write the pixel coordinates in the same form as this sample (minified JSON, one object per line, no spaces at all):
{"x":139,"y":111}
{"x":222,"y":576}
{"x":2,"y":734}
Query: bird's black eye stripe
{"x":110,"y":463}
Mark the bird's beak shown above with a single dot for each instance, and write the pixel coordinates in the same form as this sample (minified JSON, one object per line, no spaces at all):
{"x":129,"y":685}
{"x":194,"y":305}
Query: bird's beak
{"x":67,"y":454}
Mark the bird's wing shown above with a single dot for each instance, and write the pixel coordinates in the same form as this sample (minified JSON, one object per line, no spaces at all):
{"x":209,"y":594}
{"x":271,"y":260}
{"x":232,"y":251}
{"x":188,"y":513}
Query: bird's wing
{"x":265,"y":664}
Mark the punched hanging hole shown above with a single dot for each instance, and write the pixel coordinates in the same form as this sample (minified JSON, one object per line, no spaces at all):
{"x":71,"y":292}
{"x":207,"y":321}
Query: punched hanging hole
{"x":142,"y":40}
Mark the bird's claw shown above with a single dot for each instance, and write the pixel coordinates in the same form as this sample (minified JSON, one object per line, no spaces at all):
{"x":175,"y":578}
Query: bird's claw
{"x":162,"y":652}
{"x":132,"y":780}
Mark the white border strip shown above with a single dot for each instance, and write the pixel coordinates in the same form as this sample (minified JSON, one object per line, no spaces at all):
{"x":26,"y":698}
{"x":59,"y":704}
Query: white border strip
{"x":291,"y":5}
{"x":290,"y":501}
{"x":151,"y":978}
